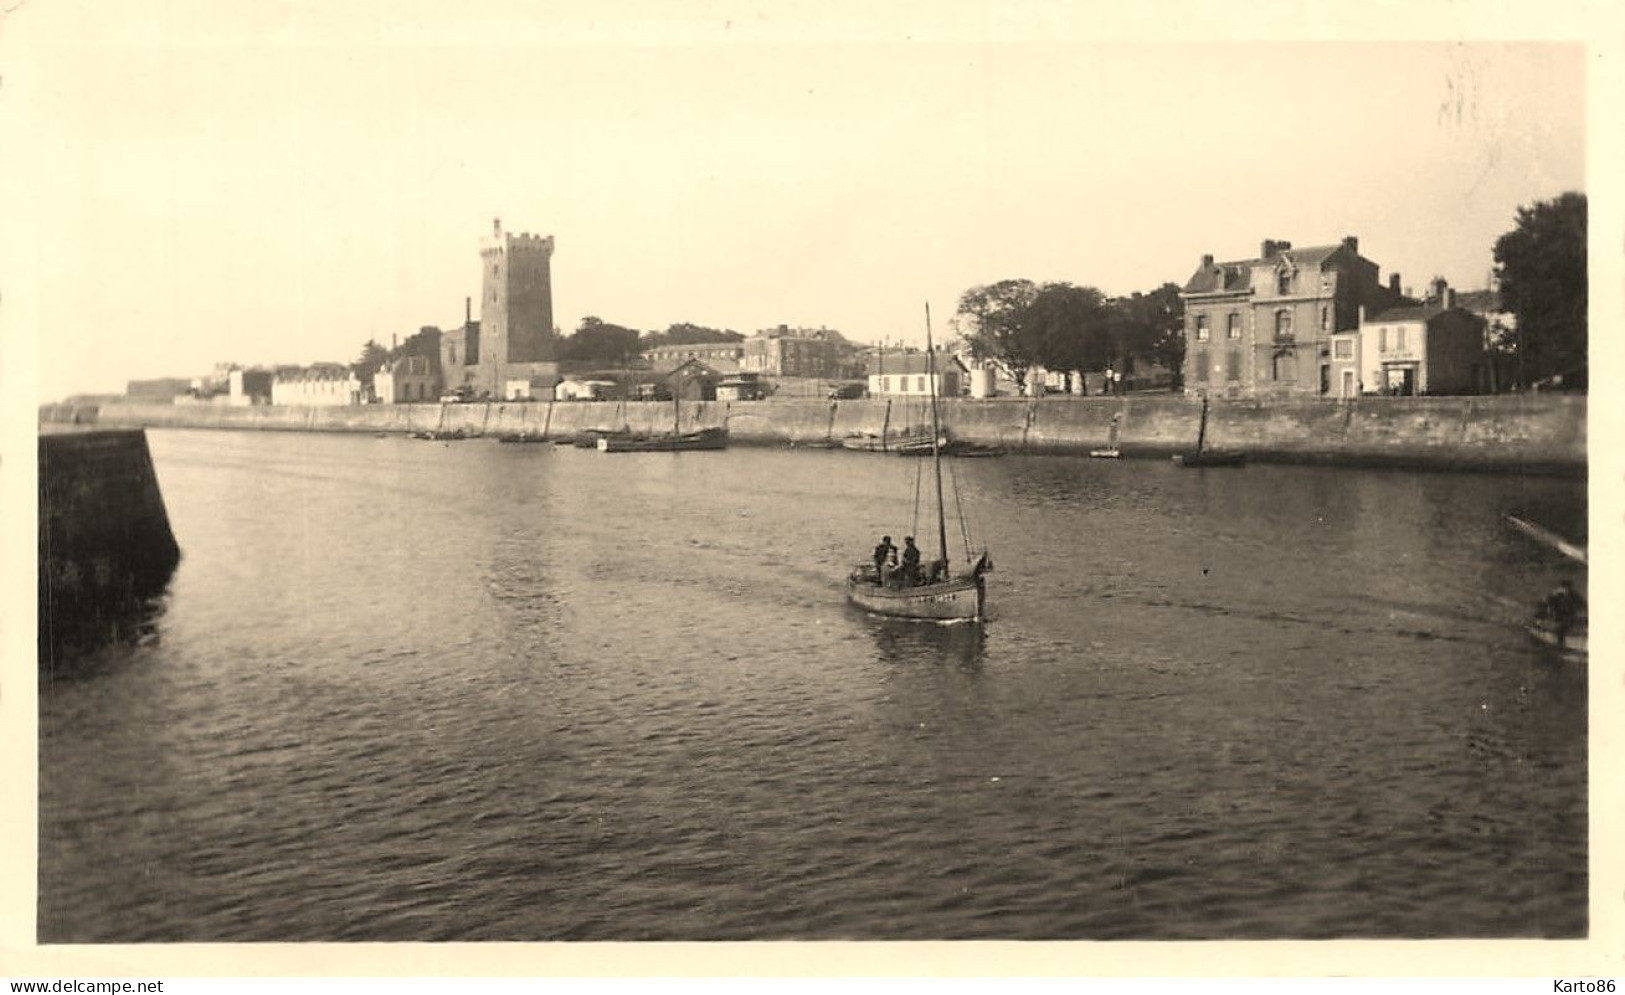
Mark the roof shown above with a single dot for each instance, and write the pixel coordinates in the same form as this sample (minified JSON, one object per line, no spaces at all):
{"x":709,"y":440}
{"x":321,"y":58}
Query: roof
{"x":1479,"y":301}
{"x":1219,"y":276}
{"x":1426,"y":312}
{"x":910,"y":363}
{"x":1237,"y":274}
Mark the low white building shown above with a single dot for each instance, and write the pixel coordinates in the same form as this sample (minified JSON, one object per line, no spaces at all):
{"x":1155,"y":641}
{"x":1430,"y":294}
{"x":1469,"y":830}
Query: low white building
{"x":584,"y":390}
{"x":1434,"y":348}
{"x":908,"y":375}
{"x":322,"y":385}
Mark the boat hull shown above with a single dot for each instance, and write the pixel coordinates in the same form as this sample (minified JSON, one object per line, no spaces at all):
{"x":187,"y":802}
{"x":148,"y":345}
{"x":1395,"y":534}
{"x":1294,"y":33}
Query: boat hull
{"x":687,"y":442}
{"x":1573,"y":645}
{"x":1210,"y":458}
{"x":960,"y":599}
{"x":895,"y":442}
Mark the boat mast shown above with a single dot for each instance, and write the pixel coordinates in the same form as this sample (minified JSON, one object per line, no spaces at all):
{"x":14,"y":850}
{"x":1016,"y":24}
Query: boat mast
{"x":936,"y":437}
{"x":1201,"y":431}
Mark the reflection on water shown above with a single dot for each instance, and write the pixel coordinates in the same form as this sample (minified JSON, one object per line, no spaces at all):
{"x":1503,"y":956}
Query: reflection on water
{"x":902,"y":641}
{"x":401,"y":691}
{"x":76,"y":638}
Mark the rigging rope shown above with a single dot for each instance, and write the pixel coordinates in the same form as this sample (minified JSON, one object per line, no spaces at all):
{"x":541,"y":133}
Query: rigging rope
{"x":915,"y":529}
{"x":959,"y":508}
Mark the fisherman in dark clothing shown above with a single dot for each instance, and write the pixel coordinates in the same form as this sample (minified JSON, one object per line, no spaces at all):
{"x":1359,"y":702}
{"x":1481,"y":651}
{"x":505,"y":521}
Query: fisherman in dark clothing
{"x":910,"y":568}
{"x":1563,"y":607}
{"x":884,"y":553}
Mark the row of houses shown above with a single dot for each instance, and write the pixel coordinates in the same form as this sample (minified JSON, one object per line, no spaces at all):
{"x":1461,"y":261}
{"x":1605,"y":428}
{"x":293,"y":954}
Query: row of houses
{"x":1318,"y":322}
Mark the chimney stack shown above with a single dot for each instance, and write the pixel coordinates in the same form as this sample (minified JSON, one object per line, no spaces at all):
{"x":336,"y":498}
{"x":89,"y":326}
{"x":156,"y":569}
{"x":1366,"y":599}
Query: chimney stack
{"x":1439,"y":287}
{"x":1352,"y":244}
{"x":1267,"y":249}
{"x":1449,"y":300}
{"x":1393,"y":282}
{"x":1207,"y":261}
{"x":496,"y":227}
{"x":468,"y":311}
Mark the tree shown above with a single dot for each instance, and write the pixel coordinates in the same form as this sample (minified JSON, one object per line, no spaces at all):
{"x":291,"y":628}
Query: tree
{"x":993,"y":315}
{"x":684,"y":333}
{"x":1068,"y":327}
{"x":1541,"y":267}
{"x":1150,"y":325}
{"x":598,"y":341}
{"x":373,"y":358}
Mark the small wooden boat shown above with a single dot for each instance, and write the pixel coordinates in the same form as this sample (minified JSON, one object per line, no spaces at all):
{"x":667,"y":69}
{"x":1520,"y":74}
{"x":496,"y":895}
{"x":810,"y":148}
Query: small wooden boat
{"x":922,"y":446}
{"x":1202,"y":456}
{"x":972,"y":450}
{"x":1549,"y":538}
{"x":444,"y":435}
{"x":522,"y":437}
{"x":1573,"y":644}
{"x":868,"y":442}
{"x":942,"y":595}
{"x":671,"y":442}
{"x":1211,"y":457}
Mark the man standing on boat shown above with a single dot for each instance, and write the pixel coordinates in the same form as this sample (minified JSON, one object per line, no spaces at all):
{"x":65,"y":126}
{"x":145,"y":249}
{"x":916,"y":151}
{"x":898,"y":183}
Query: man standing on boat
{"x":1563,"y":607}
{"x":884,"y":553}
{"x":911,"y":562}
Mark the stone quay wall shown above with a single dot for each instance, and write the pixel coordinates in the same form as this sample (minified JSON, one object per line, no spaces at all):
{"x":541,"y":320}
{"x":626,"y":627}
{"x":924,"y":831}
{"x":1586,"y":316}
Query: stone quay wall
{"x":1531,"y":433}
{"x":104,"y":535}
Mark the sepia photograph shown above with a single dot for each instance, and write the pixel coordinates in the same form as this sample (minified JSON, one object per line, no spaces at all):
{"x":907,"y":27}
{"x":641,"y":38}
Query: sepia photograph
{"x":578,"y":475}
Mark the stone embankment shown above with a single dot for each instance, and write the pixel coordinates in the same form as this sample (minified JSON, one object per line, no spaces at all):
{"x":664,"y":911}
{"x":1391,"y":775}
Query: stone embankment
{"x":1531,"y":433}
{"x":104,"y":539}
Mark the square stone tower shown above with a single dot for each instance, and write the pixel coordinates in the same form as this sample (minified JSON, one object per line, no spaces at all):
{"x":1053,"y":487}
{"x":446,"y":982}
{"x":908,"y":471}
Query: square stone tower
{"x":516,"y":303}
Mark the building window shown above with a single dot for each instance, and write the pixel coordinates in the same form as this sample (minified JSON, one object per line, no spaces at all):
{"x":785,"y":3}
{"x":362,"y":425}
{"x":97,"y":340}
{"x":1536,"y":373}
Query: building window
{"x":1232,"y":369}
{"x":1283,"y":281}
{"x":1283,"y":324}
{"x":1382,"y":339}
{"x":885,"y":385}
{"x":1343,"y":349}
{"x":1201,"y":328}
{"x":1233,"y":327}
{"x":1399,"y":339}
{"x":1286,"y":367}
{"x":1199,"y":366}
{"x":919,"y":384}
{"x":1325,"y":318}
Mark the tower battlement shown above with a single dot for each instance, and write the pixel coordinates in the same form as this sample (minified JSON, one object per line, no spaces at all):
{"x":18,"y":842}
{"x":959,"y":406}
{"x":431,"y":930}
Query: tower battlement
{"x":507,"y":241}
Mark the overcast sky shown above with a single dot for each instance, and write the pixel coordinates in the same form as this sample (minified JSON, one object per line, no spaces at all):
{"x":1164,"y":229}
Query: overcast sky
{"x":279,"y":182}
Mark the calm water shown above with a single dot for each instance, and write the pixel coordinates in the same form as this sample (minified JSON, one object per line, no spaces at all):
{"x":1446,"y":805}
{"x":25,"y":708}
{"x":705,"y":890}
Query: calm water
{"x":402,"y":690}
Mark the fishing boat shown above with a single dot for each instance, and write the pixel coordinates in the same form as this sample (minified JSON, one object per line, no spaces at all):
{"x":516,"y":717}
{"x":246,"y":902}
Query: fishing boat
{"x":671,"y":442}
{"x":675,"y":441}
{"x":948,"y":447}
{"x":1203,"y":456}
{"x":940,"y":594}
{"x":869,"y":442}
{"x":1111,"y":451}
